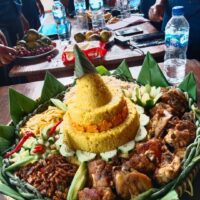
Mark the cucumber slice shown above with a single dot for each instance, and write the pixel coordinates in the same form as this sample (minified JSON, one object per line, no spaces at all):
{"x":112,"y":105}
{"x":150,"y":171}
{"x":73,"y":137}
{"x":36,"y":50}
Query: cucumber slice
{"x":30,"y":142}
{"x":145,"y":97}
{"x":47,"y":144}
{"x":51,"y":140}
{"x":186,"y":95}
{"x":59,"y":142}
{"x":108,"y":155}
{"x":40,"y":141}
{"x":139,"y":109}
{"x":59,"y":104}
{"x":20,"y":155}
{"x":127,"y":147}
{"x":66,"y":151}
{"x":157,"y":97}
{"x":84,"y":156}
{"x":141,"y":134}
{"x":144,"y":119}
{"x":148,"y":88}
{"x":45,"y":131}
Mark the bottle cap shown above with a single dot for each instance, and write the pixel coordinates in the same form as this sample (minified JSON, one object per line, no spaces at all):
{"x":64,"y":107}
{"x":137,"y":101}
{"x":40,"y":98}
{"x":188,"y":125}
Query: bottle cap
{"x":178,"y":11}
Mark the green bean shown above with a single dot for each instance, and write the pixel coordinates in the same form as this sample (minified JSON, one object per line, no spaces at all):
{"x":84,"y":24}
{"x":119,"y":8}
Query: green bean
{"x":198,"y":131}
{"x":186,"y":171}
{"x":190,"y":157}
{"x":145,"y":195}
{"x":162,"y":191}
{"x":5,"y":189}
{"x":25,"y":194}
{"x":198,"y":148}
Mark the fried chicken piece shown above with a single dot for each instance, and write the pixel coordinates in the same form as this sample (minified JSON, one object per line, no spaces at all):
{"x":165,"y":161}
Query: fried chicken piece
{"x":99,"y":193}
{"x":146,"y":157}
{"x":130,"y":184}
{"x":188,"y":116}
{"x":159,"y":108}
{"x":161,"y":114}
{"x":180,"y":134}
{"x":141,"y":163}
{"x":180,"y":152}
{"x":168,"y":169}
{"x":100,"y":173}
{"x":176,"y":99}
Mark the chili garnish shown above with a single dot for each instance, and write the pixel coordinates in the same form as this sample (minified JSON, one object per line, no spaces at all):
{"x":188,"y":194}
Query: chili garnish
{"x":27,"y":135}
{"x":39,"y":148}
{"x":53,"y":129}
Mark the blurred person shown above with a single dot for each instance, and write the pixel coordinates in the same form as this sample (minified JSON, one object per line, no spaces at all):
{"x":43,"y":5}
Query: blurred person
{"x":162,"y":11}
{"x":33,"y":10}
{"x":144,"y":7}
{"x":7,"y":56}
{"x":12,"y":21}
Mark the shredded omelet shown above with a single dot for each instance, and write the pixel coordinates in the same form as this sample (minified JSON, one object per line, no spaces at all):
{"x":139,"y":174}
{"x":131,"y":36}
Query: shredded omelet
{"x":36,"y":123}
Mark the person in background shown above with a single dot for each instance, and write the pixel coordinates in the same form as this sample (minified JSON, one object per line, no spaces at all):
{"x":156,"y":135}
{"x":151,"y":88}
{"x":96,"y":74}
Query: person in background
{"x":12,"y":21}
{"x":7,"y":54}
{"x":144,"y":7}
{"x":32,"y":10}
{"x":162,"y":11}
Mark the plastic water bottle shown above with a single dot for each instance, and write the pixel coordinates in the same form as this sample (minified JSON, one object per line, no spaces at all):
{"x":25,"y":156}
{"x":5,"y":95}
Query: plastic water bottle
{"x":81,"y":17}
{"x":79,"y":5}
{"x":176,"y":40}
{"x":124,"y":8}
{"x":62,"y":24}
{"x":98,"y":21}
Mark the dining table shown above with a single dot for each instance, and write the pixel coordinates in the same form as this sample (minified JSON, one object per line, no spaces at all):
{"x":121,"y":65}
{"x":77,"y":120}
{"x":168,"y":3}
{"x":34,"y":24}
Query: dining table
{"x":33,"y":90}
{"x":35,"y":69}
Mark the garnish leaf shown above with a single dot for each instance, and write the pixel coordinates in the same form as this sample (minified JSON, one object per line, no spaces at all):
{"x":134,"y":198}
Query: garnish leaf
{"x":50,"y":88}
{"x":102,"y":70}
{"x":172,"y":195}
{"x":20,"y":105}
{"x":7,"y":132}
{"x":151,"y":73}
{"x":4,"y":145}
{"x":82,"y":64}
{"x":189,"y":85}
{"x":123,"y":72}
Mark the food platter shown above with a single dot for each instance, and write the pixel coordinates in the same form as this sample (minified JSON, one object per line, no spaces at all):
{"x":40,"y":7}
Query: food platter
{"x":137,"y":140}
{"x":36,"y":56}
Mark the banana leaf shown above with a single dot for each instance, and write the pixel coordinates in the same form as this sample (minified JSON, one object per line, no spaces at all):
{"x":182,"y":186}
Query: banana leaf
{"x":4,"y":145}
{"x":50,"y":88}
{"x":189,"y":85}
{"x":20,"y":105}
{"x":7,"y":132}
{"x":123,"y":72}
{"x":82,"y":64}
{"x":151,"y":73}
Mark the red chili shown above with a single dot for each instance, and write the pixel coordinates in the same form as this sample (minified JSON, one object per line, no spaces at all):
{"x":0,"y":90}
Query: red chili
{"x":27,"y":135}
{"x":39,"y":148}
{"x":53,"y":129}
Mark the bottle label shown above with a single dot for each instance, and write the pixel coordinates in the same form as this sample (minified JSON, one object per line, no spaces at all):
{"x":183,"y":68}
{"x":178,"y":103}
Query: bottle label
{"x":176,"y":40}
